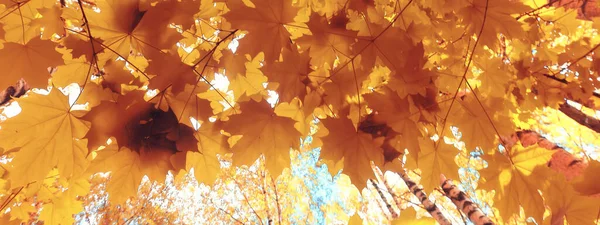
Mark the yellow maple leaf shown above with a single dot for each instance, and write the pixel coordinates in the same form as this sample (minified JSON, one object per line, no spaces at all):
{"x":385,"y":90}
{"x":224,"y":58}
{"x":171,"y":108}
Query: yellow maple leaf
{"x":409,"y":217}
{"x":498,"y":19}
{"x":478,"y":120}
{"x":516,"y":178}
{"x":51,"y":21}
{"x":398,"y":113}
{"x":49,"y":136}
{"x":265,"y":26}
{"x":206,"y":166}
{"x":263,"y":132}
{"x":586,"y":184}
{"x":29,"y":61}
{"x":433,"y":160}
{"x":128,"y":25}
{"x":566,"y":204}
{"x":61,"y":210}
{"x":127,"y":168}
{"x":356,"y":148}
{"x":20,"y":22}
{"x":301,"y":111}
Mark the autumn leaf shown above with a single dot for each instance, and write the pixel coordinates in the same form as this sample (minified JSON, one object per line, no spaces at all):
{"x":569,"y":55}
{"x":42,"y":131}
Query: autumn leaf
{"x":435,"y":158}
{"x":263,"y":133}
{"x":585,"y":184}
{"x":398,"y":113}
{"x":498,"y":19}
{"x":264,"y":20}
{"x":516,"y":178}
{"x":61,"y":210}
{"x":357,"y":149}
{"x":206,"y":166}
{"x":301,"y":111}
{"x":124,"y":25}
{"x":51,"y":22}
{"x":329,"y":39}
{"x":49,"y":135}
{"x":481,"y":121}
{"x":567,"y":204}
{"x":29,"y":61}
{"x":409,"y":216}
{"x":20,"y":23}
{"x":127,"y":169}
{"x":169,"y":71}
{"x":290,"y":83}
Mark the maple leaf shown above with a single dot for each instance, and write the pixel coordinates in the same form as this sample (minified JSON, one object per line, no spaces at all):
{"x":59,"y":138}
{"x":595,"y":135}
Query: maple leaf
{"x":517,"y":178}
{"x":263,"y":132}
{"x":125,"y":115}
{"x":81,"y":46}
{"x":480,"y":121}
{"x":171,"y":72}
{"x":51,"y":21}
{"x":20,"y":22}
{"x":433,"y":160}
{"x":29,"y":61}
{"x":49,"y":135}
{"x":493,"y":79}
{"x":585,"y":184}
{"x":211,"y":139}
{"x":115,"y":76}
{"x":186,"y":104}
{"x":206,"y":166}
{"x":567,"y":204}
{"x":301,"y":111}
{"x":125,"y":25}
{"x":61,"y":210}
{"x":399,"y":114}
{"x":497,"y":18}
{"x":409,"y":216}
{"x":329,"y":40}
{"x":127,"y":169}
{"x":251,"y":83}
{"x":345,"y":83}
{"x":341,"y":142}
{"x":264,"y":20}
{"x":290,"y":74}
{"x":412,"y":78}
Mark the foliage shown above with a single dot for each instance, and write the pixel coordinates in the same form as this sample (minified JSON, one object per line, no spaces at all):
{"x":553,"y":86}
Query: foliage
{"x":141,"y":88}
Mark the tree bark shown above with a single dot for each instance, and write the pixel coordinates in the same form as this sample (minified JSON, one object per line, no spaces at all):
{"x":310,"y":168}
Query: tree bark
{"x":417,"y":190}
{"x":463,"y":203}
{"x":580,"y":117}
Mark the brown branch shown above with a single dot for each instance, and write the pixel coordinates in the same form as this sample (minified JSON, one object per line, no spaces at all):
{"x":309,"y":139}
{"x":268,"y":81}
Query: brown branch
{"x":276,"y":200}
{"x":580,"y":117}
{"x":15,"y":91}
{"x":463,"y":202}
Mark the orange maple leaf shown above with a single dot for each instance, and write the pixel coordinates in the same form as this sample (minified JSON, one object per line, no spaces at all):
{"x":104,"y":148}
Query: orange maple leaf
{"x":263,"y":132}
{"x":61,"y":145}
{"x":29,"y":61}
{"x":264,"y":20}
{"x":341,"y":142}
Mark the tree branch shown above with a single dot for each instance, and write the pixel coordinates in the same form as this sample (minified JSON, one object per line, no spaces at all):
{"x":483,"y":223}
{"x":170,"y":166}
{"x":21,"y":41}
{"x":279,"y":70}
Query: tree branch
{"x":382,"y":196}
{"x":580,"y":117}
{"x":429,"y":205}
{"x":463,"y":202}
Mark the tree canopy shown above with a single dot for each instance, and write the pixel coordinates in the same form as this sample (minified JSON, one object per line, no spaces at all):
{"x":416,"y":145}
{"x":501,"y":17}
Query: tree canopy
{"x":501,"y":96}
